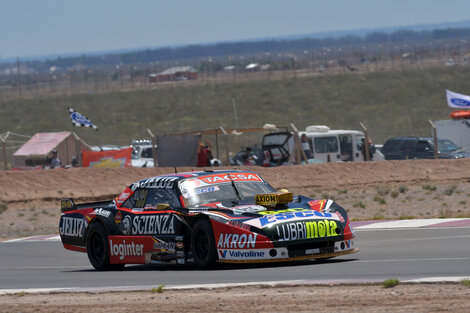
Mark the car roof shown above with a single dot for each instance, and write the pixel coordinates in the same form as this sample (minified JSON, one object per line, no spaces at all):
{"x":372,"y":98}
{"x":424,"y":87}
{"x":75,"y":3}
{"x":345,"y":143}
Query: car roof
{"x":195,"y":174}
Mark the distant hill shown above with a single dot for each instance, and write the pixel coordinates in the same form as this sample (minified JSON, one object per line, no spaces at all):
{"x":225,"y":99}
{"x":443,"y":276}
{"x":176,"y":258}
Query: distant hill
{"x":249,"y":46}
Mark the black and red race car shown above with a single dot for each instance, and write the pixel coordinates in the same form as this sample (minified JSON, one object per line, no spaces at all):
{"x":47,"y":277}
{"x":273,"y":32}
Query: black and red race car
{"x":204,"y":217}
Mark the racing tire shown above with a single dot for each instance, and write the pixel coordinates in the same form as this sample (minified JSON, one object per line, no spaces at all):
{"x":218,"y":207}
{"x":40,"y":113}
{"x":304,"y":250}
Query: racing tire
{"x":98,"y":249}
{"x":203,"y":244}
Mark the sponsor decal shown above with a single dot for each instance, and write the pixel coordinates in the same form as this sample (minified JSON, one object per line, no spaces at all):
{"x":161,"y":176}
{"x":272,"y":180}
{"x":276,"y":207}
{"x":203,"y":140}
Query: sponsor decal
{"x":180,"y":261}
{"x":239,"y":225}
{"x":122,"y":250}
{"x":118,"y":217}
{"x":161,"y":224}
{"x":228,"y":177}
{"x":281,"y":217}
{"x":163,"y":246}
{"x":179,"y":245}
{"x":124,"y":196}
{"x":237,"y":241}
{"x":125,"y":226}
{"x":307,"y":230}
{"x":155,"y":182}
{"x":199,"y":191}
{"x":247,"y":208}
{"x":241,"y":254}
{"x":101,"y":212}
{"x":317,"y":205}
{"x":73,"y":227}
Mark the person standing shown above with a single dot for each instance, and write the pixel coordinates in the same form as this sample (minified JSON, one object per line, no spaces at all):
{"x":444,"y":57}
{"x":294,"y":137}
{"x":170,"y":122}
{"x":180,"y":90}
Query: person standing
{"x":306,"y":146}
{"x":55,"y":161}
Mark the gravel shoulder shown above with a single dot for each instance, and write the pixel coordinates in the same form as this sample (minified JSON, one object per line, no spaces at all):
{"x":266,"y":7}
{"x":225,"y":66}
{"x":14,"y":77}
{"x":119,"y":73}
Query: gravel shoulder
{"x":347,"y":298}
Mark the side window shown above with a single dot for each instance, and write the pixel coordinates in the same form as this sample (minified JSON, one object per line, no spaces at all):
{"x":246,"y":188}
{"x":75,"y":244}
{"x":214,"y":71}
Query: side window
{"x":326,"y":144}
{"x":162,"y":195}
{"x":423,"y":146}
{"x":407,"y":146}
{"x":137,"y":200}
{"x":150,"y":197}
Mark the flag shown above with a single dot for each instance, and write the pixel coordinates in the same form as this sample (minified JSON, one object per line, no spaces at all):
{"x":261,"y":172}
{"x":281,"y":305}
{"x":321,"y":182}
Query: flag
{"x":457,"y":100}
{"x":80,"y":120}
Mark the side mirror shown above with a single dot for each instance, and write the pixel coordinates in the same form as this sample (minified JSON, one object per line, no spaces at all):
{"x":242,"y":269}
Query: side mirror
{"x":163,"y":206}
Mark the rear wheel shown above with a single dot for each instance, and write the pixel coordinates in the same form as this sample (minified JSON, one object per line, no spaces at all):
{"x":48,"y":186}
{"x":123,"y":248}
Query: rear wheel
{"x":202,"y":244}
{"x":98,"y":249}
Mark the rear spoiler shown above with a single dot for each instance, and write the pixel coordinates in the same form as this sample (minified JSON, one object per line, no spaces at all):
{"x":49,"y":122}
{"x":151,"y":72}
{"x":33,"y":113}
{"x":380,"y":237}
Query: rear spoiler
{"x":69,"y":205}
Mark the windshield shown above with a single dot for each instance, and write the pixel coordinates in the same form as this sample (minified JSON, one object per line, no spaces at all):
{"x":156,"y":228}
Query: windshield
{"x":275,"y":139}
{"x":445,"y":145}
{"x":198,"y":191}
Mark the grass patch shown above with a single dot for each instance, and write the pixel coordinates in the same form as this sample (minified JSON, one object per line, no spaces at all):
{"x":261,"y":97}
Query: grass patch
{"x":382,"y":191}
{"x":159,"y":289}
{"x":407,"y":217}
{"x":345,"y":191}
{"x":359,"y":204}
{"x":32,"y":209}
{"x":466,"y":282}
{"x":44,"y":211}
{"x":20,"y":294}
{"x":379,"y":199}
{"x":20,"y":214}
{"x":402,"y":189}
{"x":389,"y":283}
{"x":3,"y":207}
{"x":463,"y":202}
{"x":378,"y":217}
{"x":449,"y":191}
{"x":394,"y":194}
{"x":429,"y":187}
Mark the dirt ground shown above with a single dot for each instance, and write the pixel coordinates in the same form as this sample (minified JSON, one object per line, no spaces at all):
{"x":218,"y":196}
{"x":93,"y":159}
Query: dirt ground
{"x":346,"y":298}
{"x":29,"y":200}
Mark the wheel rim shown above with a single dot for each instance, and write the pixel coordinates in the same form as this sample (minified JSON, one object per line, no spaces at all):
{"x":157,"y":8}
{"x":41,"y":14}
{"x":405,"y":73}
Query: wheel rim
{"x":97,"y":247}
{"x":201,"y":244}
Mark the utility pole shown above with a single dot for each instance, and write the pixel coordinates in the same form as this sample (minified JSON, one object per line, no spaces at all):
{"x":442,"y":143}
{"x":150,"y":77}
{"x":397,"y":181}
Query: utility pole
{"x":154,"y":148}
{"x":434,"y":135}
{"x":4,"y":148}
{"x":366,"y":142}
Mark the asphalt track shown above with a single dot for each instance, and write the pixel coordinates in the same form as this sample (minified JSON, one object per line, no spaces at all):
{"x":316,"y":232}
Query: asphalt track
{"x":403,"y":253}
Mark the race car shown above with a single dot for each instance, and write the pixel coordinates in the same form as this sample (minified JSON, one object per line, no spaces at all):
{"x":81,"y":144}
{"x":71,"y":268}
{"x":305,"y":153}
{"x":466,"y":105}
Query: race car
{"x":205,"y":217}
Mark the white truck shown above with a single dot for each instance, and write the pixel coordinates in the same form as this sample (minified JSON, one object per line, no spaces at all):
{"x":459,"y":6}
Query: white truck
{"x":326,"y":145}
{"x":457,"y":131}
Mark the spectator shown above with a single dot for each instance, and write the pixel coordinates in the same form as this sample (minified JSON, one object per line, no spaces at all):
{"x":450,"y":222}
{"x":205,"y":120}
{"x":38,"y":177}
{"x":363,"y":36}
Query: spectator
{"x":55,"y":161}
{"x":371,"y":149}
{"x":204,"y":153}
{"x":306,"y":146}
{"x":249,"y":157}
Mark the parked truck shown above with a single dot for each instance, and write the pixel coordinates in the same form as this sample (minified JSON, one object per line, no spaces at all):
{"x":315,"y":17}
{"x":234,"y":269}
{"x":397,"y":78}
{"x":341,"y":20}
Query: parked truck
{"x":326,"y":145}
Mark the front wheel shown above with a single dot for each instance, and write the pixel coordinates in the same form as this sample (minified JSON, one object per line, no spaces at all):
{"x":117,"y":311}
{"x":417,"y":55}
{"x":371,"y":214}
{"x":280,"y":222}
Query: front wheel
{"x":202,"y":244}
{"x":98,"y":249}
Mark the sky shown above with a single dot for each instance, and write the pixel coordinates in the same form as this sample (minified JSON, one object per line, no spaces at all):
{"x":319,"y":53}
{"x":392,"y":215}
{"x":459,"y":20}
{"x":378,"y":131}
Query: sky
{"x":54,"y":27}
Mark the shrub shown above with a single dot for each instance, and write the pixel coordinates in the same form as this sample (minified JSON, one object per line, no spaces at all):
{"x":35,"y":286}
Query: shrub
{"x":3,"y":207}
{"x":379,"y":199}
{"x":402,"y":189}
{"x":429,"y":187}
{"x":466,"y":282}
{"x":159,"y":289}
{"x":389,"y":283}
{"x":359,"y":204}
{"x":394,"y":194}
{"x":449,"y":191}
